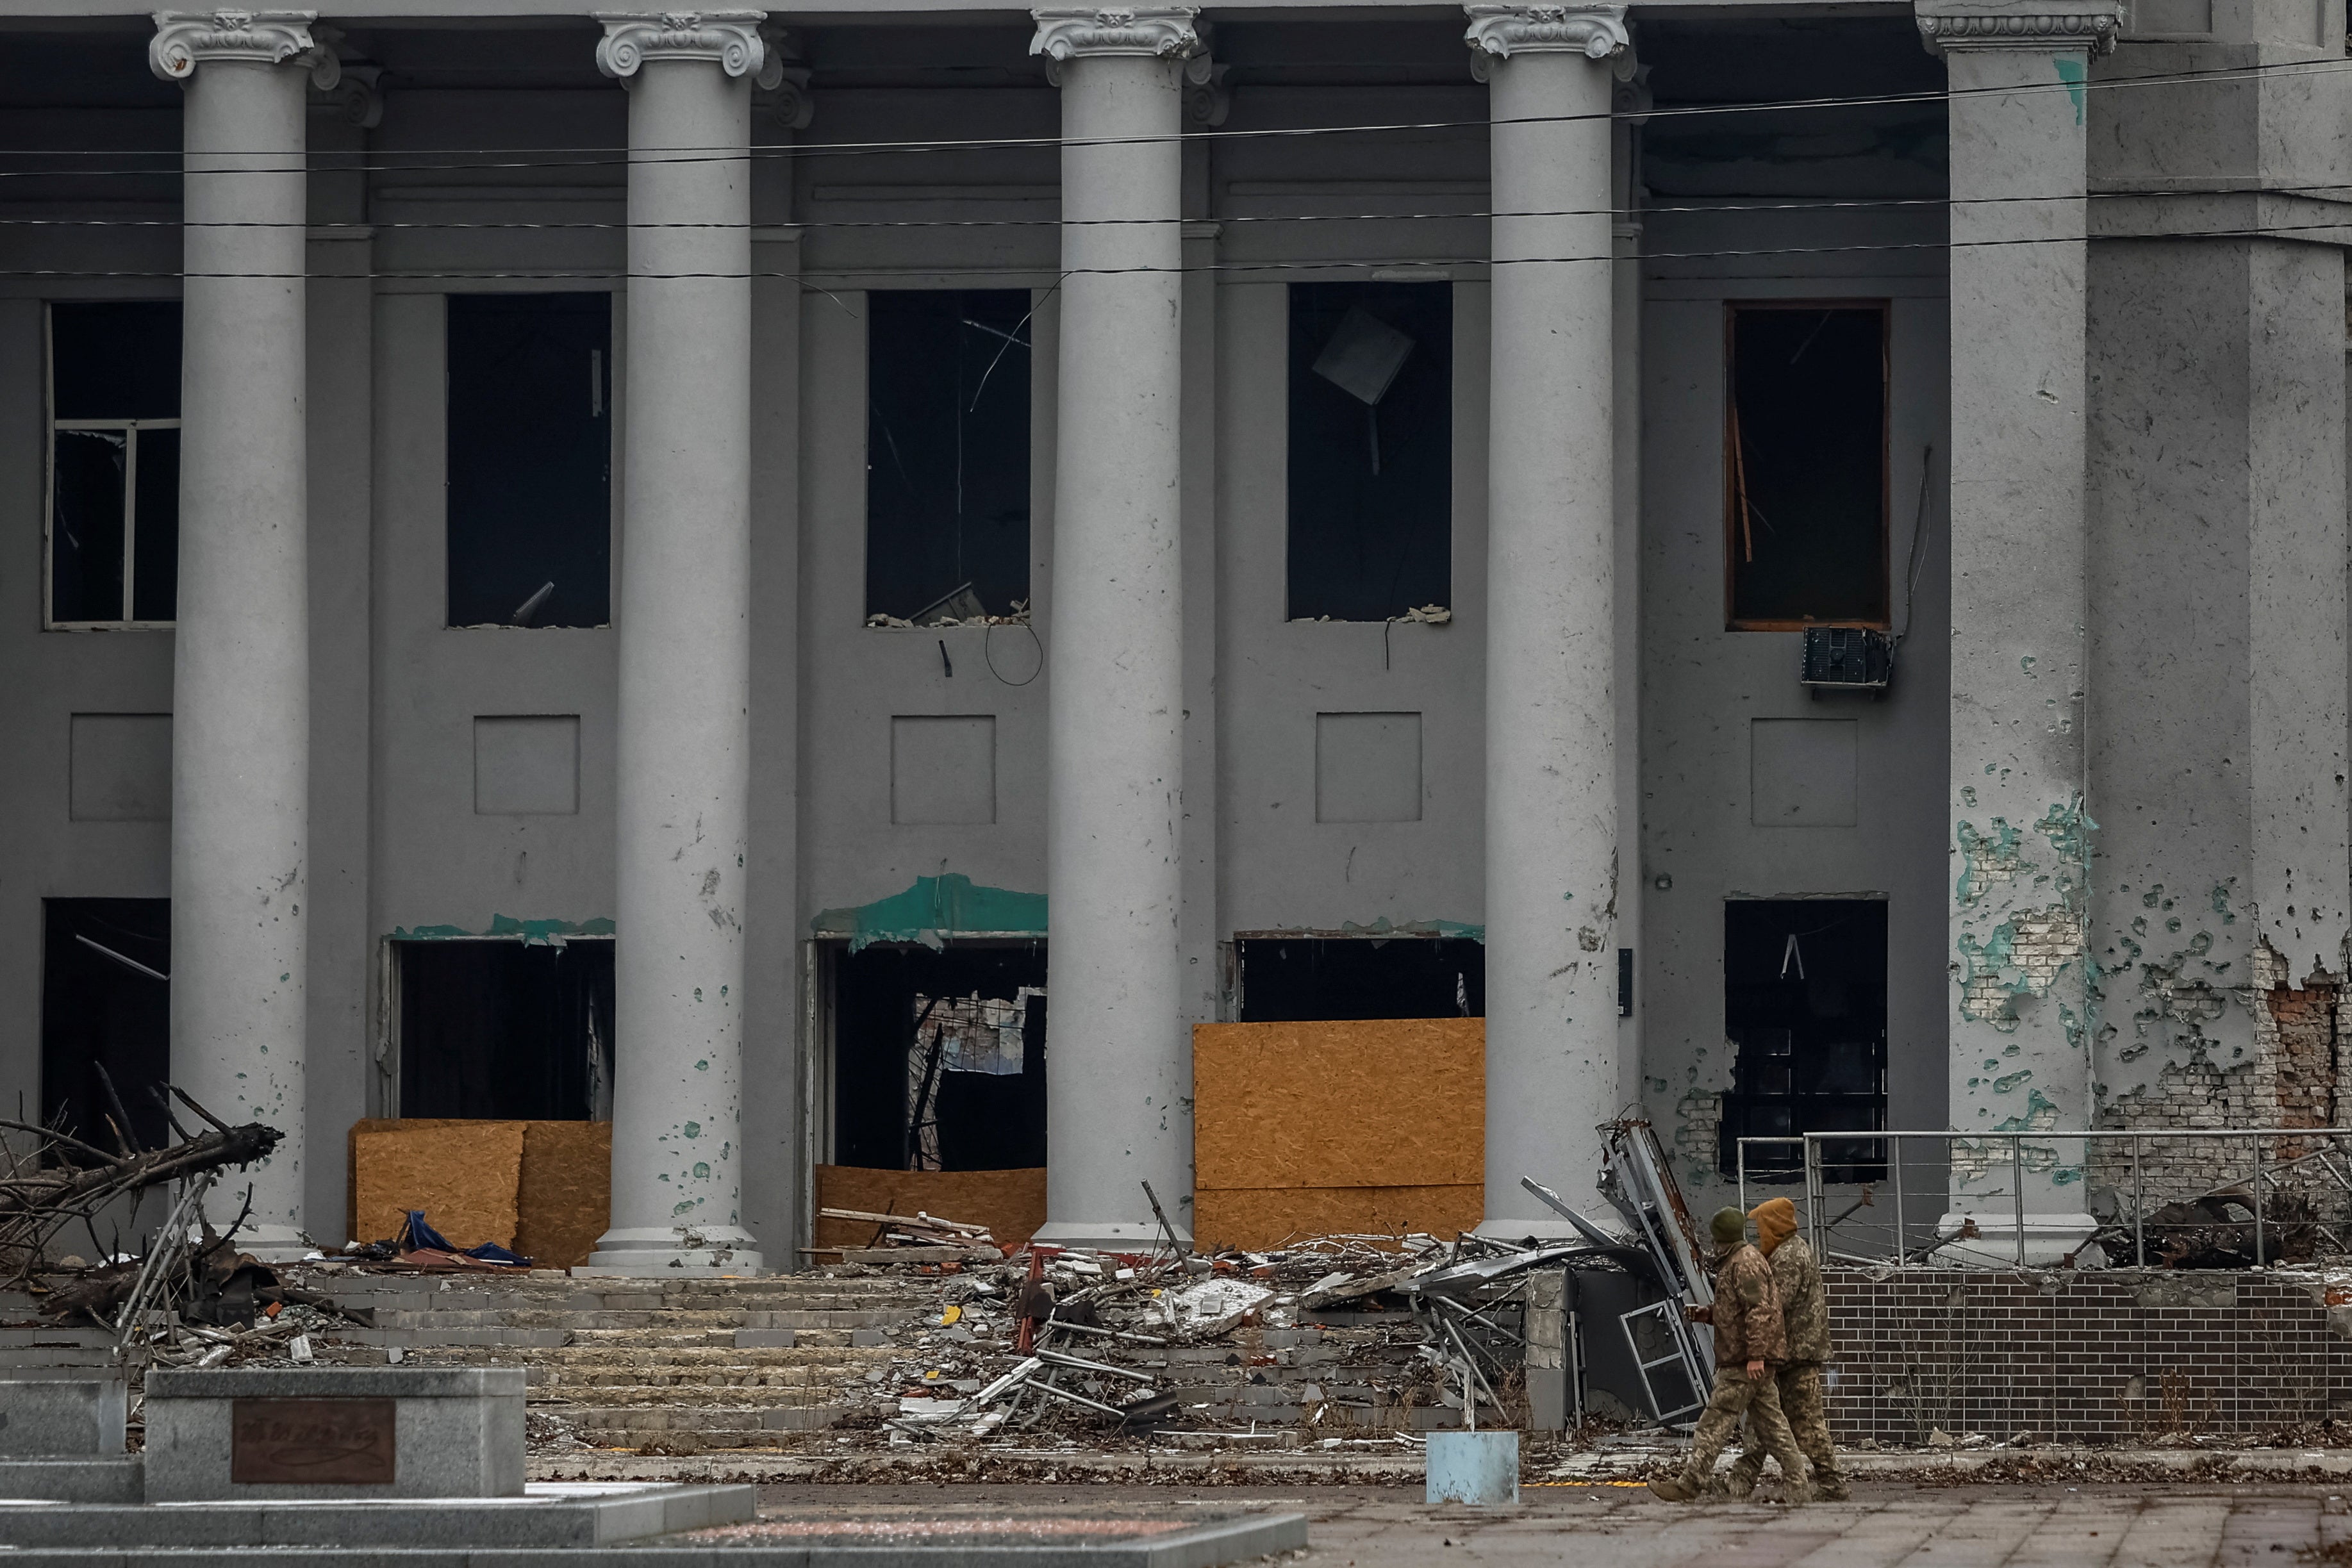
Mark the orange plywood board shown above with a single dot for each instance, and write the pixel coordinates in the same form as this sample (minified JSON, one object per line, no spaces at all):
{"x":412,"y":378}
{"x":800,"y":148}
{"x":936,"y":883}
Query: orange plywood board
{"x":1256,"y":1218}
{"x":1388,"y":1103}
{"x":466,"y":1175}
{"x":1012,"y":1204}
{"x":566,"y":1198}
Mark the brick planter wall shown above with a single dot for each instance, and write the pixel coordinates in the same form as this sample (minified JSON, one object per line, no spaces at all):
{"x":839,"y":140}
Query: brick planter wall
{"x":2109,"y":1356}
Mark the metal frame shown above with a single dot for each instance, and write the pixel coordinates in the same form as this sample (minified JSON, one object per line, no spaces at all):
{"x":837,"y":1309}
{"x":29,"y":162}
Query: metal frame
{"x":1818,"y":1226}
{"x":1671,"y":1313}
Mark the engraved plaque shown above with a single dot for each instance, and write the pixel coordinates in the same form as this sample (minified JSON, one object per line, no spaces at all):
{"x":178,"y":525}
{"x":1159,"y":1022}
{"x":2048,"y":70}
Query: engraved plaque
{"x":311,"y":1442}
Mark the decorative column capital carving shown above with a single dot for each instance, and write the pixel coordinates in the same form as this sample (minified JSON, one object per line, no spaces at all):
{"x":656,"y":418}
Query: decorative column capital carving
{"x":729,"y":40}
{"x":785,"y":102}
{"x":1080,"y":32}
{"x":186,"y":39}
{"x":2092,"y":29}
{"x":1497,"y":32}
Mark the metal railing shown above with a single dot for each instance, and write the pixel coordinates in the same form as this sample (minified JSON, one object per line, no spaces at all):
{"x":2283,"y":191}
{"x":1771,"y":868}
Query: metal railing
{"x":2334,"y":1156}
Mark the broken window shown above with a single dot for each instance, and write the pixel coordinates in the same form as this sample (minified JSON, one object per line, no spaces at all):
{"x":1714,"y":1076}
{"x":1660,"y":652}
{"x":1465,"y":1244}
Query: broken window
{"x":1805,"y":465}
{"x":506,"y":1029}
{"x":939,"y":1056}
{"x":1804,"y":1011}
{"x":106,"y":1015}
{"x":1371,"y":450}
{"x":1288,"y":979}
{"x":947,"y":455}
{"x":531,"y":459}
{"x":114,"y":463}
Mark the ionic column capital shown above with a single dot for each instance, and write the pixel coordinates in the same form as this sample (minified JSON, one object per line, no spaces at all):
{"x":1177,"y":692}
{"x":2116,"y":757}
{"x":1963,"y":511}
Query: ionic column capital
{"x":1497,"y":32}
{"x":729,"y":39}
{"x":186,"y":39}
{"x":1067,"y":33}
{"x":1944,"y":27}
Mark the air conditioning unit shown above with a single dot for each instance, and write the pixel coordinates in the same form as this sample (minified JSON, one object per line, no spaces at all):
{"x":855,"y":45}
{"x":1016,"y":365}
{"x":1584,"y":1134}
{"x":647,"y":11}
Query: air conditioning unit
{"x":1846,"y":659}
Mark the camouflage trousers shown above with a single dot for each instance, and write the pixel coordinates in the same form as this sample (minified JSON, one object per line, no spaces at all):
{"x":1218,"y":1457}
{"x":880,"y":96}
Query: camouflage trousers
{"x":1805,"y":1408}
{"x":1759,"y":1398}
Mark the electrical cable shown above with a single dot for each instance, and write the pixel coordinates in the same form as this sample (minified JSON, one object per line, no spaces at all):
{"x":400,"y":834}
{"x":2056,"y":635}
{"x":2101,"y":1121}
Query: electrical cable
{"x":608,"y":275}
{"x":1728,"y":206}
{"x":620,"y":157}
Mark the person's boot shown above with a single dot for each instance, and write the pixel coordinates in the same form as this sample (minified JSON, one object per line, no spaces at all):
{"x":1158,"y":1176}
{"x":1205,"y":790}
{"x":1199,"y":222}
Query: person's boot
{"x":1796,"y":1494}
{"x":1682,"y":1488}
{"x":1737,"y":1483}
{"x":1833,"y":1489}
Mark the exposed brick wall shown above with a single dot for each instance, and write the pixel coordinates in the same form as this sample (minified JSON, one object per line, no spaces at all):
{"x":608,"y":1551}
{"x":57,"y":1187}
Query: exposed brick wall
{"x":2111,"y":1356}
{"x":2293,"y":1078}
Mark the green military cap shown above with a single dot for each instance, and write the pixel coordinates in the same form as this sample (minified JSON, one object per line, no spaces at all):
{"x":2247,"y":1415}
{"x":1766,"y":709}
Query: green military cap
{"x":1728,"y":1226}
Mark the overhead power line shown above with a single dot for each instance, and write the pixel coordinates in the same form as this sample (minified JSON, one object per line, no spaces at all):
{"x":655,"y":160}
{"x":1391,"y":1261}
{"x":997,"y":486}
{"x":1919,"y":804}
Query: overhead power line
{"x":326,"y":160}
{"x":609,"y":274}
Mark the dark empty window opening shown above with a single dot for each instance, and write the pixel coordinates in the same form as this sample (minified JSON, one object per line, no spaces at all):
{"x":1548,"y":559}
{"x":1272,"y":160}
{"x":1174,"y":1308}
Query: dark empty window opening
{"x":531,"y":459}
{"x":1804,"y":1009}
{"x":1371,"y":450}
{"x":1293,"y":979}
{"x":106,"y":1013}
{"x":947,"y":455}
{"x":506,"y":1029}
{"x":1805,"y":465}
{"x":114,"y":463}
{"x":939,"y":1056}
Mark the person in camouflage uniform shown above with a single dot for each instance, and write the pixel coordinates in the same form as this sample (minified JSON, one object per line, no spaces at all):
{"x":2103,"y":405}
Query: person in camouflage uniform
{"x":1805,"y":1309}
{"x":1749,"y":1337}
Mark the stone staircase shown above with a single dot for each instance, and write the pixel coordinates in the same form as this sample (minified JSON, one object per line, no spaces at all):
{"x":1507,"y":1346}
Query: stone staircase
{"x":686,"y":1364}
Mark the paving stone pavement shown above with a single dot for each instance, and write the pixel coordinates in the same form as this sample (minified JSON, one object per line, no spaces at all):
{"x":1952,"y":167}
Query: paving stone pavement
{"x":1954,"y":1526}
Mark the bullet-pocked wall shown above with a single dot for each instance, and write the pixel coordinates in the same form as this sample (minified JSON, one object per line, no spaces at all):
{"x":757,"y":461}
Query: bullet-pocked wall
{"x":1753,"y":789}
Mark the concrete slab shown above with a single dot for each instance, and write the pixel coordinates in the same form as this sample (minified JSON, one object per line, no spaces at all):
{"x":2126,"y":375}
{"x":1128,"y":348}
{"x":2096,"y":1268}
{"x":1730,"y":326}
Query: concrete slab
{"x":59,"y":1418}
{"x":120,"y":1479}
{"x":552,"y":1515}
{"x":1032,"y":1541}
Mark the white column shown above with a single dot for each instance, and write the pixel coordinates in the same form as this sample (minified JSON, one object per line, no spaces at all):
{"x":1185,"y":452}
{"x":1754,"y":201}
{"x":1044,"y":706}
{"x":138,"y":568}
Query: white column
{"x":2021,"y":969}
{"x":1551,"y":770}
{"x":1118,"y":1058}
{"x":241,"y":710}
{"x":683,"y":784}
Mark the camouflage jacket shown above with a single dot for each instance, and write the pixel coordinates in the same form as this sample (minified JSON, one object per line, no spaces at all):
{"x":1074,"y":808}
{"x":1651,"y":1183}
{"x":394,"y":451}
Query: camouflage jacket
{"x":1804,"y":1302}
{"x":1747,"y":1314}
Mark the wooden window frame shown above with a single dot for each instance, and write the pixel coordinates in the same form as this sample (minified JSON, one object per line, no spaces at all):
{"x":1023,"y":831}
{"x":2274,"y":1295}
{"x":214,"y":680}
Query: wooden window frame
{"x":1731,"y":310}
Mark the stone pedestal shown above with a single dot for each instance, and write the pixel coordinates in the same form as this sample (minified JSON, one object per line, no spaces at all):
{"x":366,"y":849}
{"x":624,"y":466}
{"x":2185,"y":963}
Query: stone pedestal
{"x":241,"y":701}
{"x":1119,"y":1068}
{"x":683,"y":781}
{"x":1552,"y":865}
{"x":375,"y":1432}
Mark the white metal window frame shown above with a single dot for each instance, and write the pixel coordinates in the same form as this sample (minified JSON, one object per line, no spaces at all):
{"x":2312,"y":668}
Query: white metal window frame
{"x":131,"y":427}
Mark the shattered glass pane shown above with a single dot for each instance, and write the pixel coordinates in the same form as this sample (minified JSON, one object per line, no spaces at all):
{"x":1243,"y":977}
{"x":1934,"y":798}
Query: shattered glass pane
{"x":86,"y":525}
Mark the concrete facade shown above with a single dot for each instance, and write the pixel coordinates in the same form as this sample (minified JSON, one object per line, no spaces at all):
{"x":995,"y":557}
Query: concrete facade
{"x":2116,"y":545}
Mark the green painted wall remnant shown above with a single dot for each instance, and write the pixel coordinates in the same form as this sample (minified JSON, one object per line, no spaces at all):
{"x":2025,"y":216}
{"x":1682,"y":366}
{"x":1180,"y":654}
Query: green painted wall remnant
{"x":532,"y":933}
{"x":934,"y":909}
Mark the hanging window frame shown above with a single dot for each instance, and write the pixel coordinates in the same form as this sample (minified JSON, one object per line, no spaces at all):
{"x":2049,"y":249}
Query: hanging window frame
{"x":51,"y":425}
{"x":1732,"y":465}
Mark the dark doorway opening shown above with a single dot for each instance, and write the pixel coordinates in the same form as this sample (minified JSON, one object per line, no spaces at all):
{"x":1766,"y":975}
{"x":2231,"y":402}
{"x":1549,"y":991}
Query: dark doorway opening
{"x":506,"y":1029}
{"x":1293,"y":979}
{"x":939,"y":1058}
{"x":1804,"y":1006}
{"x":105,"y":1003}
